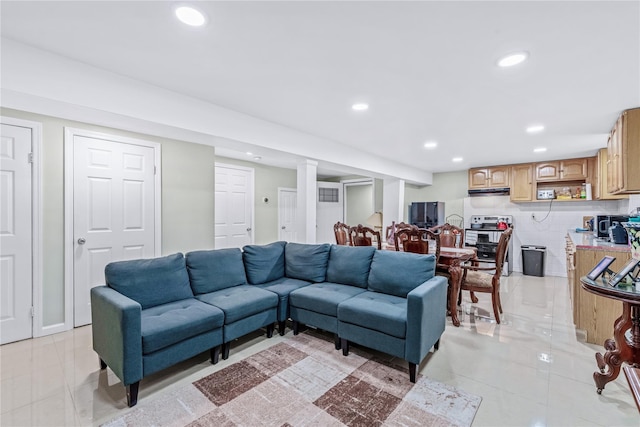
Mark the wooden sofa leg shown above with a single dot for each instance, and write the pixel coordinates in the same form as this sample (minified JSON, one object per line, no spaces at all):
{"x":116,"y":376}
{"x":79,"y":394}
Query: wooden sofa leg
{"x":412,"y":372}
{"x":132,"y":394}
{"x":270,"y":328}
{"x":345,"y":347}
{"x":103,"y":365}
{"x":436,"y":346}
{"x":215,"y":354}
{"x":281,"y":325}
{"x":296,"y":327}
{"x":225,"y":350}
{"x":337,"y":342}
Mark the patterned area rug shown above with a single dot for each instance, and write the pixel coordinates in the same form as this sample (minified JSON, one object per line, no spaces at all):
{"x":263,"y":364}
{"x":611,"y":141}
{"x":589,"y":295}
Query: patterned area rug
{"x":305,"y":381}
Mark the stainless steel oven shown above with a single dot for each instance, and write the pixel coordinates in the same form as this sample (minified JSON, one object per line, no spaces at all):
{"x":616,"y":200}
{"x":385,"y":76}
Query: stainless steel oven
{"x":484,"y":234}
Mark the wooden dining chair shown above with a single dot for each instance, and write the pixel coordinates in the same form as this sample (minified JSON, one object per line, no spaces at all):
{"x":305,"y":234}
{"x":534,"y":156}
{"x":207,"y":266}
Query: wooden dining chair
{"x":475,"y":278}
{"x":364,"y":236}
{"x":341,"y":231}
{"x":450,"y":235}
{"x":393,"y":229}
{"x":419,"y":241}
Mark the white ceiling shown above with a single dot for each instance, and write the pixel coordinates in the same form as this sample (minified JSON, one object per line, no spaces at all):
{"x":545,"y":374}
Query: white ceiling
{"x":427,"y":69}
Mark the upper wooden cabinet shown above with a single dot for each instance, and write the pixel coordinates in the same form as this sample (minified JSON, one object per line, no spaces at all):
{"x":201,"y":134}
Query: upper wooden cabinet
{"x":562,"y":170}
{"x":493,"y":177}
{"x":599,"y":181}
{"x":623,"y":154}
{"x":522,"y":186}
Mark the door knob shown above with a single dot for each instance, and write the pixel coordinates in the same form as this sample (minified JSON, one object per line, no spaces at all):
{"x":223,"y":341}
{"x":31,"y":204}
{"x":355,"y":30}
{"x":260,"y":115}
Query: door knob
{"x":81,"y":241}
{"x":248,"y":228}
{"x":283,"y":227}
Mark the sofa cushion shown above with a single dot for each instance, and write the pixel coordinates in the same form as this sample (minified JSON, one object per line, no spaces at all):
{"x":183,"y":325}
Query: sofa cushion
{"x":211,"y":271}
{"x":350,"y":265}
{"x":150,"y":282}
{"x":167,"y":324}
{"x":323,"y":297}
{"x":398,"y":273}
{"x":264,"y":263}
{"x":306,"y":262}
{"x":377,"y":311}
{"x":240,"y":302}
{"x":283,"y":287}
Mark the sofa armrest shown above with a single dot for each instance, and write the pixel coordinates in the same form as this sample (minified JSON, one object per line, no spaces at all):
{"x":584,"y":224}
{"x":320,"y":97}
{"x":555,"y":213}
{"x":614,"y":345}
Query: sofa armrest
{"x":426,"y":317}
{"x":117,"y":334}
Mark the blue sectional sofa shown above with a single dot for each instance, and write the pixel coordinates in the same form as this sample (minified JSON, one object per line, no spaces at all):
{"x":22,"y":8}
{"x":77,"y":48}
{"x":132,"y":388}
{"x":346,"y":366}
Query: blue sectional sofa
{"x":153,"y":313}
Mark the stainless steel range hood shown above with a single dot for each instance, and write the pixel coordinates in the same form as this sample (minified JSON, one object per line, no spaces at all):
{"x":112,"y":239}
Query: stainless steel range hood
{"x":502,"y":191}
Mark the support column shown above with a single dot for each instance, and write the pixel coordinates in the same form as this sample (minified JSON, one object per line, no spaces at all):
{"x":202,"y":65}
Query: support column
{"x":392,"y":201}
{"x":306,"y":201}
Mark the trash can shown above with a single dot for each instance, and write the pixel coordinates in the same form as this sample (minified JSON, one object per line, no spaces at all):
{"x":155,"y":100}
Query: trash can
{"x":533,"y":260}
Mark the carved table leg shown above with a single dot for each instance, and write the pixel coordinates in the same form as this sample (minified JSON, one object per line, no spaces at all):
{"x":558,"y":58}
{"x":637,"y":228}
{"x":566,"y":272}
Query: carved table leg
{"x":456,"y":277}
{"x":618,"y":351}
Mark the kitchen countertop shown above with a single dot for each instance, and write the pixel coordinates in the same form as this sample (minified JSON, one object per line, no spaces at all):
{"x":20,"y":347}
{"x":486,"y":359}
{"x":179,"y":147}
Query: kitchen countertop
{"x":587,"y":241}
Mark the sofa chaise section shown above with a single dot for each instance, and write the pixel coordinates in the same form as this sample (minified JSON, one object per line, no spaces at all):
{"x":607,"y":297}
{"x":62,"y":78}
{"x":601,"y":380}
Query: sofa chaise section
{"x":402,"y":312}
{"x":146,"y":319}
{"x":218,"y":278}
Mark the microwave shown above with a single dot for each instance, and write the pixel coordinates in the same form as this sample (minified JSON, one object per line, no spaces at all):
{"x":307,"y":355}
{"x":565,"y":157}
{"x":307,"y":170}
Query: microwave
{"x":603,"y":222}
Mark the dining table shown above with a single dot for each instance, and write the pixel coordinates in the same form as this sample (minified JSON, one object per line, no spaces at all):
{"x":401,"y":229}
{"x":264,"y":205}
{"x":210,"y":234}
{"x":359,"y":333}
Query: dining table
{"x":452,"y":258}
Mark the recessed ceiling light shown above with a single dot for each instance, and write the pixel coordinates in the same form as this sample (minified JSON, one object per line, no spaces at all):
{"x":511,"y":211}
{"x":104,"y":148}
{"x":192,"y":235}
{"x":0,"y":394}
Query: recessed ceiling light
{"x":360,"y":107}
{"x":457,"y":159}
{"x":535,"y":128}
{"x":190,"y":16}
{"x":249,"y":153}
{"x":257,"y":158}
{"x":430,"y":145}
{"x":539,"y":150}
{"x":512,"y":59}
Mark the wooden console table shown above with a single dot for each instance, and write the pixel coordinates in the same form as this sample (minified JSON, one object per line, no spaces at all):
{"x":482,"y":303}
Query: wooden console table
{"x":625,"y":345}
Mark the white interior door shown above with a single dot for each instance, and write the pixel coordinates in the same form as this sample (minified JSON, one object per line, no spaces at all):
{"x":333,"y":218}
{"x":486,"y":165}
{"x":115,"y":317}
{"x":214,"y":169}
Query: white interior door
{"x":234,"y":206}
{"x":287,"y":211}
{"x":16,"y":281}
{"x":113,"y":210}
{"x":329,"y":210}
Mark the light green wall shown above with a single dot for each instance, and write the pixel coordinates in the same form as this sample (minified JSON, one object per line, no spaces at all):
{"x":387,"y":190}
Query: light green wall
{"x":267,"y":181}
{"x":187,"y":200}
{"x":450,"y":188}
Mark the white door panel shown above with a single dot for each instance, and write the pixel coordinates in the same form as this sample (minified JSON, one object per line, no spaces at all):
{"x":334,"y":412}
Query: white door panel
{"x":287,"y":211}
{"x":16,"y":282}
{"x":113,"y":211}
{"x":233,"y":206}
{"x":328,"y":212}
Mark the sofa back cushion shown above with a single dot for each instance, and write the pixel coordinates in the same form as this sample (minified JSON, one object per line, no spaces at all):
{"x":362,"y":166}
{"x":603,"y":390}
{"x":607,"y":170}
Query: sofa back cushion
{"x":349,"y":265}
{"x":398,"y":273}
{"x":214,"y":270}
{"x":150,"y":282}
{"x":264,"y":263}
{"x":306,"y":262}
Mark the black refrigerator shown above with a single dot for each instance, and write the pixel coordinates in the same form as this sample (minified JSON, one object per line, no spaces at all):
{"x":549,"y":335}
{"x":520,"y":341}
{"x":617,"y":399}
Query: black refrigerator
{"x":426,"y":214}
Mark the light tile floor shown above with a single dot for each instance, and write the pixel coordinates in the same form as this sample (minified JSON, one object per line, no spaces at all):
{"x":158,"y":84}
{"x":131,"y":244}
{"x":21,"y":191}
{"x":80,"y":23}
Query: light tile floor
{"x":531,"y":370}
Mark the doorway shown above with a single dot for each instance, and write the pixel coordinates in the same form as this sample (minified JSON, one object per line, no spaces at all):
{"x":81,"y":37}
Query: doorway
{"x":20,"y":230}
{"x":287,"y":211}
{"x":112,"y":200}
{"x":358,"y":201}
{"x":234,"y":206}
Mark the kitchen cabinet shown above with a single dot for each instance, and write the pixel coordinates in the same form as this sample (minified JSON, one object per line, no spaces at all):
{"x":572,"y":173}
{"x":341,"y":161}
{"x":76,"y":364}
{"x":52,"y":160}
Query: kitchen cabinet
{"x":562,"y":170}
{"x":522,"y":186}
{"x":491,"y":177}
{"x":600,"y":180}
{"x":623,"y":152}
